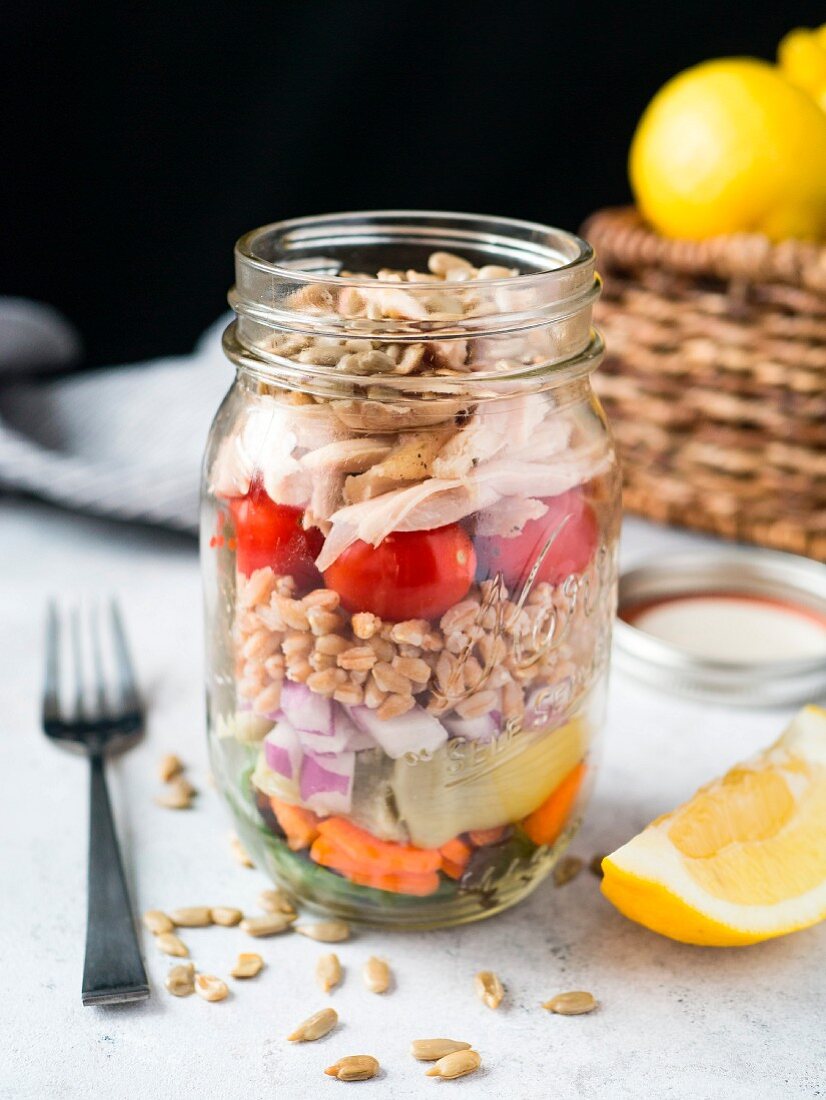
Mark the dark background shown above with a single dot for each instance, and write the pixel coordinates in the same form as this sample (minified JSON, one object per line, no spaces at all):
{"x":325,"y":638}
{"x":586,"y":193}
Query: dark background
{"x":140,"y":140}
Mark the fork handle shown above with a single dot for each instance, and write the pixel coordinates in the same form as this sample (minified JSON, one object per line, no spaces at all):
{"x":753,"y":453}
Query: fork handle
{"x":113,"y":971}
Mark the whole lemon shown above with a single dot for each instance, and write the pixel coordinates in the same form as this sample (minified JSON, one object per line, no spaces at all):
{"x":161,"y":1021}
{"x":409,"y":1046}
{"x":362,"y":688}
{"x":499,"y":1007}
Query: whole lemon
{"x":728,"y":146}
{"x":802,"y":60}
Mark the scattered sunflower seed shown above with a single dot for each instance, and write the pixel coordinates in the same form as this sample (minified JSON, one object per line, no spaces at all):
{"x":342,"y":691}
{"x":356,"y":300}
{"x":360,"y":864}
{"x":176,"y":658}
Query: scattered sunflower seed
{"x":328,"y":972}
{"x":356,"y":1067}
{"x":180,"y":981}
{"x":268,"y":924}
{"x":210,"y":988}
{"x":240,"y":853}
{"x":490,"y":988}
{"x":567,"y":869}
{"x":157,"y":922}
{"x":177,"y":796}
{"x":276,"y":901}
{"x":431,"y":1050}
{"x":168,"y":767}
{"x":315,"y":1026}
{"x":376,"y":974}
{"x":326,"y":931}
{"x":194,"y":916}
{"x":248,"y":965}
{"x":226,"y":916}
{"x":457,"y":1064}
{"x":595,"y":866}
{"x":171,"y":944}
{"x":571,"y":1004}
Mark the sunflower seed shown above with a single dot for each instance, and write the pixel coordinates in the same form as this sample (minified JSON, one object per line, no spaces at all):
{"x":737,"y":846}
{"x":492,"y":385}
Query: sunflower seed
{"x":431,"y":1050}
{"x":178,"y":795}
{"x":356,"y":1067}
{"x":326,"y":931}
{"x":455,"y":1065}
{"x":276,"y":901}
{"x":168,"y":767}
{"x":595,"y":866}
{"x":196,"y":916}
{"x":180,"y":981}
{"x":328,"y":972}
{"x":210,"y":988}
{"x":315,"y":1026}
{"x":157,"y":922}
{"x":489,"y":987}
{"x":238,"y":850}
{"x":376,"y":975}
{"x":248,"y":965}
{"x":567,"y":869}
{"x":571,"y":1004}
{"x":226,"y":916}
{"x":270,"y":924}
{"x":171,"y":944}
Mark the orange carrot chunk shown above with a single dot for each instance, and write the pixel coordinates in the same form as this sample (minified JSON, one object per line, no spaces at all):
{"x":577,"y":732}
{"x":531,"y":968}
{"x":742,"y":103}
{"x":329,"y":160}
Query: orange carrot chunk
{"x":455,"y":857}
{"x":456,"y":850}
{"x":546,"y":822}
{"x":329,"y":855}
{"x":384,"y":855}
{"x":300,"y":826}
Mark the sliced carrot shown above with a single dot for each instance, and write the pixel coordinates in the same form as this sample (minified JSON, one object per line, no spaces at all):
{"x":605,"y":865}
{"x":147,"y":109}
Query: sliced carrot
{"x":455,"y":857}
{"x":300,"y":826}
{"x":546,"y":822}
{"x":456,"y":850}
{"x":453,"y":870}
{"x":329,"y":855}
{"x":384,"y":855}
{"x":480,"y":838}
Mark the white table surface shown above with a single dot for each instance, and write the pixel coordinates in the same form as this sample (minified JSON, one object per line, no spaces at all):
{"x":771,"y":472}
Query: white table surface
{"x":674,"y":1021}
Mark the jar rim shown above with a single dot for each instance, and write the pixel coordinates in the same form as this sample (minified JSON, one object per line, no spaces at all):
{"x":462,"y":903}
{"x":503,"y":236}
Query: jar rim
{"x":537,"y":239}
{"x":481,"y":386}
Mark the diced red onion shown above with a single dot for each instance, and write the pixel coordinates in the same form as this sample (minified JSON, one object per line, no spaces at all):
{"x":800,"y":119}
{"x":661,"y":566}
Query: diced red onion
{"x":282,"y":749}
{"x":483,"y":728}
{"x":326,"y":783}
{"x":416,"y":731}
{"x":308,"y":712}
{"x":323,"y":725}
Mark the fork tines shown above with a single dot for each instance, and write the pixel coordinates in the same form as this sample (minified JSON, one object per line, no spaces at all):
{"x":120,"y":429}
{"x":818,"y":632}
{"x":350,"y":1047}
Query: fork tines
{"x":101,"y":702}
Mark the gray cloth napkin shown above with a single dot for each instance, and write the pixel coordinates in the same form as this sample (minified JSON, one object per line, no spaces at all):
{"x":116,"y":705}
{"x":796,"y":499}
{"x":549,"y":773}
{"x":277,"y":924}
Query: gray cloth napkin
{"x":123,"y":442}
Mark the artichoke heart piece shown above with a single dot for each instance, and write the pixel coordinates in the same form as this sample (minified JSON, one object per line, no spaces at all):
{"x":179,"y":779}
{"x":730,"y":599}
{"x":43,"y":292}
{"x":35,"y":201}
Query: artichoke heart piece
{"x":466,"y":786}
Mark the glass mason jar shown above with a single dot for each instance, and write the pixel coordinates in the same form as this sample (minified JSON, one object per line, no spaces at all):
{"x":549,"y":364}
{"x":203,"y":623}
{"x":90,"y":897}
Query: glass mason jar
{"x":410,"y":517}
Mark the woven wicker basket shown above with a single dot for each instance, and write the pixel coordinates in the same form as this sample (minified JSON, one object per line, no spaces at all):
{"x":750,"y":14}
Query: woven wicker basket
{"x":715,"y":379}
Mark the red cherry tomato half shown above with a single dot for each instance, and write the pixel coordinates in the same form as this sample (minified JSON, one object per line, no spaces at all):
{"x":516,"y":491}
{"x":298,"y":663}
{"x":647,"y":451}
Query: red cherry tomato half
{"x":570,"y":552}
{"x":409,"y":575}
{"x":270,"y":534}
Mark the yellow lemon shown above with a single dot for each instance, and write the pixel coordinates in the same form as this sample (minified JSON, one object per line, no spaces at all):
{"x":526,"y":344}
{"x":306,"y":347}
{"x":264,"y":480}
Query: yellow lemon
{"x":802,"y":59}
{"x":730,"y":146}
{"x":745,"y":859}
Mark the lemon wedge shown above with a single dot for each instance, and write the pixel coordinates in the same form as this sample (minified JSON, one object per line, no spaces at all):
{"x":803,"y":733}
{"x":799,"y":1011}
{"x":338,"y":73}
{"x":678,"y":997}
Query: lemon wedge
{"x":745,"y":859}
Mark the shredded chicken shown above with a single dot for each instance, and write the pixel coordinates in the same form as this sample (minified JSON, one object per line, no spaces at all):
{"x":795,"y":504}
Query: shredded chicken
{"x":438,"y":501}
{"x":507,"y":517}
{"x":492,"y":426}
{"x":347,"y":456}
{"x":410,"y":460}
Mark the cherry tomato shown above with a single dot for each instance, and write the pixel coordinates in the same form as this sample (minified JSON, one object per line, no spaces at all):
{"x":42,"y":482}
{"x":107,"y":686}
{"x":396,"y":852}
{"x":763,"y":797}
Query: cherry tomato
{"x":570,"y":551}
{"x":409,"y":575}
{"x":270,"y":534}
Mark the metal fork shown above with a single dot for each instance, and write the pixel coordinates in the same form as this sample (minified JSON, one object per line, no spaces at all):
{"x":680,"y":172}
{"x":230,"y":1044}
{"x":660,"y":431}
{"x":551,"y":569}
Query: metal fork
{"x":103,"y":719}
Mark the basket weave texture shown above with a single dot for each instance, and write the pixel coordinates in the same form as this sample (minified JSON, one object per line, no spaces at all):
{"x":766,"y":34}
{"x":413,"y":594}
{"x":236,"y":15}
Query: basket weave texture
{"x":715,"y":379}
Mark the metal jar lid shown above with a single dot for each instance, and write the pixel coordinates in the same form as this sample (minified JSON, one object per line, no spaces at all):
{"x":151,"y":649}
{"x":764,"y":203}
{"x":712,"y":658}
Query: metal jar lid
{"x":793,"y":581}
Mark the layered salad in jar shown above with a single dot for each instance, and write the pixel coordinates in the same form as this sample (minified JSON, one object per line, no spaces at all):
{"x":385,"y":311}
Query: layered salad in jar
{"x":409,"y":609}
